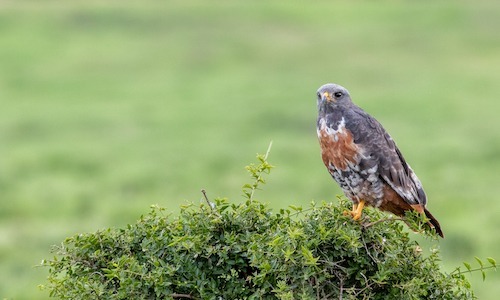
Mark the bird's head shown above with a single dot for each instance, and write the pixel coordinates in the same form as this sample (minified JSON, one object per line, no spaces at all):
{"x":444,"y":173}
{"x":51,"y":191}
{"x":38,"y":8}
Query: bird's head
{"x":332,"y":95}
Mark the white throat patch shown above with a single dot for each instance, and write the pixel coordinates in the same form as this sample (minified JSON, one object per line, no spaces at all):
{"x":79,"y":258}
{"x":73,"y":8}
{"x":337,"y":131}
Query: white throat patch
{"x":330,"y":131}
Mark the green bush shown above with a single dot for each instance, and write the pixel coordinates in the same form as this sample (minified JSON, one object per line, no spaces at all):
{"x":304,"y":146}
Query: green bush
{"x":223,"y":250}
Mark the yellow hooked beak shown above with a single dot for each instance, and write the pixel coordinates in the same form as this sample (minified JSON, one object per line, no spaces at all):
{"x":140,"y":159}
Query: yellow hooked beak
{"x":326,"y":96}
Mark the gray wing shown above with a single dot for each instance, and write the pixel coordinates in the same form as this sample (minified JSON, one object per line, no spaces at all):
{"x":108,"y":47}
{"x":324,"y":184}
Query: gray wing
{"x":380,"y":151}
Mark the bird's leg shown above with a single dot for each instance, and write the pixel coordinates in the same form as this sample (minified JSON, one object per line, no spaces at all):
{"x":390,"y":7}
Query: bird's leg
{"x":358,"y":210}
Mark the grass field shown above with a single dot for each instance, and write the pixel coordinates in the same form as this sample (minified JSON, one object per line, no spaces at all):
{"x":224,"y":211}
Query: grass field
{"x":110,"y":107}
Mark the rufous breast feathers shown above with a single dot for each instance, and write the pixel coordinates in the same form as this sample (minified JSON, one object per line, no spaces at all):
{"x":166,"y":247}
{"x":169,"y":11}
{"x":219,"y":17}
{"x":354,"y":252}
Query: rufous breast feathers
{"x":337,"y":145}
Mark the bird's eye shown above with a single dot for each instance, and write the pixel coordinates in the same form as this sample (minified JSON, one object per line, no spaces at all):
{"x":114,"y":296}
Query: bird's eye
{"x":338,"y":94}
{"x":319,"y":95}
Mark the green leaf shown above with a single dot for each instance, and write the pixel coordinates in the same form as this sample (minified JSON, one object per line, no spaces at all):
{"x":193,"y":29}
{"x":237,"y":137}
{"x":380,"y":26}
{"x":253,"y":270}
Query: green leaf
{"x":277,"y":241}
{"x":296,"y":208}
{"x":492,"y":261}
{"x":479,"y":261}
{"x":295,"y":233}
{"x":288,"y":253}
{"x":467,"y":266}
{"x":309,"y":258}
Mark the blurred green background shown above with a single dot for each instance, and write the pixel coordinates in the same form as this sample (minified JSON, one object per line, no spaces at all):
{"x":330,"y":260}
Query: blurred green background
{"x":107,"y":108}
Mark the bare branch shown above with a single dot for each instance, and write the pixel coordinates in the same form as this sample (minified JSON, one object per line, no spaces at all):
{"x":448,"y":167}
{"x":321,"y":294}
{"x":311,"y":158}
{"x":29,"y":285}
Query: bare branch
{"x":206,"y":199}
{"x":186,"y":296}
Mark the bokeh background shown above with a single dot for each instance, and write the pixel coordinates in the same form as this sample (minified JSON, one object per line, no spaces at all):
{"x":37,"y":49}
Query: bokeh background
{"x":109,"y":107}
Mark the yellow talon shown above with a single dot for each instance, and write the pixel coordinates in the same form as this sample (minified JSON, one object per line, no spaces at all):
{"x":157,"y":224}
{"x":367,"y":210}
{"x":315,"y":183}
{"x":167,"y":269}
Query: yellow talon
{"x":357,"y":210}
{"x":351,"y":212}
{"x":356,"y":214}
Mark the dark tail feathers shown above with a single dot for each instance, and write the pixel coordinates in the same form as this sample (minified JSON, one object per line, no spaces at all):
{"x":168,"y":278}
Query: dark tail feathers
{"x":434,"y":222}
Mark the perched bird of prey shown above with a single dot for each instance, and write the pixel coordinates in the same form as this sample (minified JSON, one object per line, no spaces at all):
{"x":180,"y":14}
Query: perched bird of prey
{"x":364,"y":160}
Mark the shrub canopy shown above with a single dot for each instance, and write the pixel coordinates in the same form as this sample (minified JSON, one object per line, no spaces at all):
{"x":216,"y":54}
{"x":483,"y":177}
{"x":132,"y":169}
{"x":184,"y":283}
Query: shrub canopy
{"x":223,"y":250}
{"x":245,"y":251}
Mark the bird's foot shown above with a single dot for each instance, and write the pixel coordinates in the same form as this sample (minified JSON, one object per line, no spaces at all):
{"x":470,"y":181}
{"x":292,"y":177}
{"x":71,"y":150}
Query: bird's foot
{"x":357,"y":210}
{"x":354,"y":214}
